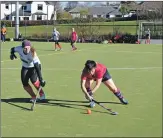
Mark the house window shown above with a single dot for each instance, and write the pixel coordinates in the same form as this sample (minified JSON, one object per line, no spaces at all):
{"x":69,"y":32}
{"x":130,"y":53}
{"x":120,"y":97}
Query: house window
{"x":7,"y":6}
{"x":26,"y":18}
{"x":40,"y":7}
{"x":7,"y":17}
{"x":15,"y":18}
{"x":39,"y":17}
{"x":107,"y":16}
{"x":24,"y":8}
{"x":98,"y":16}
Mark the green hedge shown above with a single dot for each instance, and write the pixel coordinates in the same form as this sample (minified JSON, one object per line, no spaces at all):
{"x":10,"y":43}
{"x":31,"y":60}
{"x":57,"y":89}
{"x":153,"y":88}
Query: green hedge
{"x":73,"y":21}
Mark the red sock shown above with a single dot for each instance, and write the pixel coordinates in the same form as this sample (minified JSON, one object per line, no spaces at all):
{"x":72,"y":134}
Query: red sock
{"x":37,"y":85}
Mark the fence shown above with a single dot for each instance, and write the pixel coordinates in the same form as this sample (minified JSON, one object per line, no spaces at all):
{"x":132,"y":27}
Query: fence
{"x":88,"y":31}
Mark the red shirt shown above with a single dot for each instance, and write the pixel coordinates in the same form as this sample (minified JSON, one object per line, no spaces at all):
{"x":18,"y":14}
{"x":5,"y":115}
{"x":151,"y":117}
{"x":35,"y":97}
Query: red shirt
{"x":99,"y":73}
{"x":73,"y":36}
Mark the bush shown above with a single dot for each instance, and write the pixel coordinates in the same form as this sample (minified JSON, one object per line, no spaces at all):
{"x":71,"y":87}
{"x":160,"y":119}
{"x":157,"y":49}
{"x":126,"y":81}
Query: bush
{"x":66,"y":21}
{"x":6,"y":23}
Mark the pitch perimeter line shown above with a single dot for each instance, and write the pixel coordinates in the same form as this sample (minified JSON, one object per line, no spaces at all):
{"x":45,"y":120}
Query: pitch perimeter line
{"x":64,"y":69}
{"x":50,"y":54}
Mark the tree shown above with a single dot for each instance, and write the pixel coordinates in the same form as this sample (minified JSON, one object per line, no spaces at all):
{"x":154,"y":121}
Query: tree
{"x":64,"y":15}
{"x":123,"y":10}
{"x":83,"y":13}
{"x":56,"y":8}
{"x":72,"y":4}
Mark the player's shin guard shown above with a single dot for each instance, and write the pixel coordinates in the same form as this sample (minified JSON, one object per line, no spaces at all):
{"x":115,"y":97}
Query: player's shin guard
{"x":37,"y":85}
{"x":120,"y":96}
{"x":30,"y":91}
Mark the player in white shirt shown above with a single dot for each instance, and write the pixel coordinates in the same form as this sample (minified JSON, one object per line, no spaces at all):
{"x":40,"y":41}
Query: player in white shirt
{"x":31,"y":68}
{"x":148,"y":35}
{"x":55,"y":36}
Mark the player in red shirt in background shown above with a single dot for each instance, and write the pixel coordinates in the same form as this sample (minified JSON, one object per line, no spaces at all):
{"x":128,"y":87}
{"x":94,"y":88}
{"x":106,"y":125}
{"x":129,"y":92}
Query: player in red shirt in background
{"x":74,"y":38}
{"x":94,"y":71}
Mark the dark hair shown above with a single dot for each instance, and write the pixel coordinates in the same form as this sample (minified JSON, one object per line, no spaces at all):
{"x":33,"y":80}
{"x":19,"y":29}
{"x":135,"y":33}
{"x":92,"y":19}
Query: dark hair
{"x":89,"y":65}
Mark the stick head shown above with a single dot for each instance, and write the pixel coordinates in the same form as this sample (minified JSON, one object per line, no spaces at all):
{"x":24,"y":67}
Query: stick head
{"x":114,"y":113}
{"x":32,"y":107}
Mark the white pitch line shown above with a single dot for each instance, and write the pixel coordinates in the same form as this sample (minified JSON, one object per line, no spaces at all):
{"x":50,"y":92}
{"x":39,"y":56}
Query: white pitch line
{"x":139,"y":52}
{"x":71,"y":69}
{"x":50,"y":54}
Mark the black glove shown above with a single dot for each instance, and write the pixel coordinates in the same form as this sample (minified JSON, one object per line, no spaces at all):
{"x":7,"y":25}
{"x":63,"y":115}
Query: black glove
{"x":42,"y":83}
{"x":13,"y":56}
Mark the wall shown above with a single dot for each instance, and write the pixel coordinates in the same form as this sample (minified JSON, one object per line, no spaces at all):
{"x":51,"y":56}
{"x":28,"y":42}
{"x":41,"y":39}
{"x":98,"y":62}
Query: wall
{"x":44,"y":10}
{"x":30,"y":7}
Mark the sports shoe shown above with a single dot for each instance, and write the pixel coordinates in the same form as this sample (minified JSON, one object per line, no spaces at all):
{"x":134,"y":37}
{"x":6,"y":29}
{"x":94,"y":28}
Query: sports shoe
{"x":42,"y":97}
{"x":123,"y":100}
{"x":33,"y":99}
{"x":92,"y":104}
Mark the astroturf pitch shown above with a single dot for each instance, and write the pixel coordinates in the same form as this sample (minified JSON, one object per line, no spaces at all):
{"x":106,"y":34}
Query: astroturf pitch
{"x":136,"y":70}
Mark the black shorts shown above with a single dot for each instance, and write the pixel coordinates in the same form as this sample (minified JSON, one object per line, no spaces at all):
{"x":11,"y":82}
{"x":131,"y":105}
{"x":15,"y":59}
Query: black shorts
{"x":28,"y":73}
{"x":147,"y":36}
{"x":106,"y":76}
{"x":56,"y":42}
{"x":72,"y":42}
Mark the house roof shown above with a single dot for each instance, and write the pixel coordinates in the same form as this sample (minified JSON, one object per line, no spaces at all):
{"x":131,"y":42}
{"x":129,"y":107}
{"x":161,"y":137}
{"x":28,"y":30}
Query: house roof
{"x":39,"y":13}
{"x":116,"y":12}
{"x":150,"y":5}
{"x":21,"y":13}
{"x":47,"y":2}
{"x":77,"y":9}
{"x":146,"y":5}
{"x":103,"y":10}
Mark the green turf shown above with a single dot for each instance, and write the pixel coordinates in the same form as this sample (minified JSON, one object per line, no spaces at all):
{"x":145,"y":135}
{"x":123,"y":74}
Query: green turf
{"x":62,"y":117}
{"x":64,"y":29}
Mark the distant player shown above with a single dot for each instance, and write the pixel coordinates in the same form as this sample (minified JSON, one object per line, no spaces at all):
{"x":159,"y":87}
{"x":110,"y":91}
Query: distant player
{"x":94,"y":71}
{"x":31,"y":68}
{"x":3,"y":33}
{"x":55,"y":36}
{"x":74,"y":38}
{"x":148,"y":34}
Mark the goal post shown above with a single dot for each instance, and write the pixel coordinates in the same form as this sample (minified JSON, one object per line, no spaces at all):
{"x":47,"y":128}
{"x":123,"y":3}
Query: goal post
{"x":156,"y":29}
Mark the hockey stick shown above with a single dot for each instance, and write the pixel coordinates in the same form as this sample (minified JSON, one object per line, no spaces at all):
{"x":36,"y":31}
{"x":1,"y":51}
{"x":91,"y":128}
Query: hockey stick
{"x":33,"y":104}
{"x":112,"y":112}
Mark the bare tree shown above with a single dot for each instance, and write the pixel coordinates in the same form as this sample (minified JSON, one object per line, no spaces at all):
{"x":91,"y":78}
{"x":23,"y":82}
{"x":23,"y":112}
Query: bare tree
{"x":72,"y":4}
{"x":56,"y":8}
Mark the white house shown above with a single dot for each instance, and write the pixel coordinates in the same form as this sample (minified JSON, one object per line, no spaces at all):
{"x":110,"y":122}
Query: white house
{"x":27,"y":11}
{"x":104,"y":12}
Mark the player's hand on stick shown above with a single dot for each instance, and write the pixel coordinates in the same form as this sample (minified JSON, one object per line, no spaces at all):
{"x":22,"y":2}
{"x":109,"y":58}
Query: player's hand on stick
{"x":13,"y":56}
{"x":89,"y":97}
{"x":42,"y":83}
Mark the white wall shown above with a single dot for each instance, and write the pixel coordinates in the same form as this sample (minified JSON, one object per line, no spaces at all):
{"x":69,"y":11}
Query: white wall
{"x":5,"y":11}
{"x":30,"y":7}
{"x":75,"y":15}
{"x":34,"y":9}
{"x":96,"y":16}
{"x":111,"y":16}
